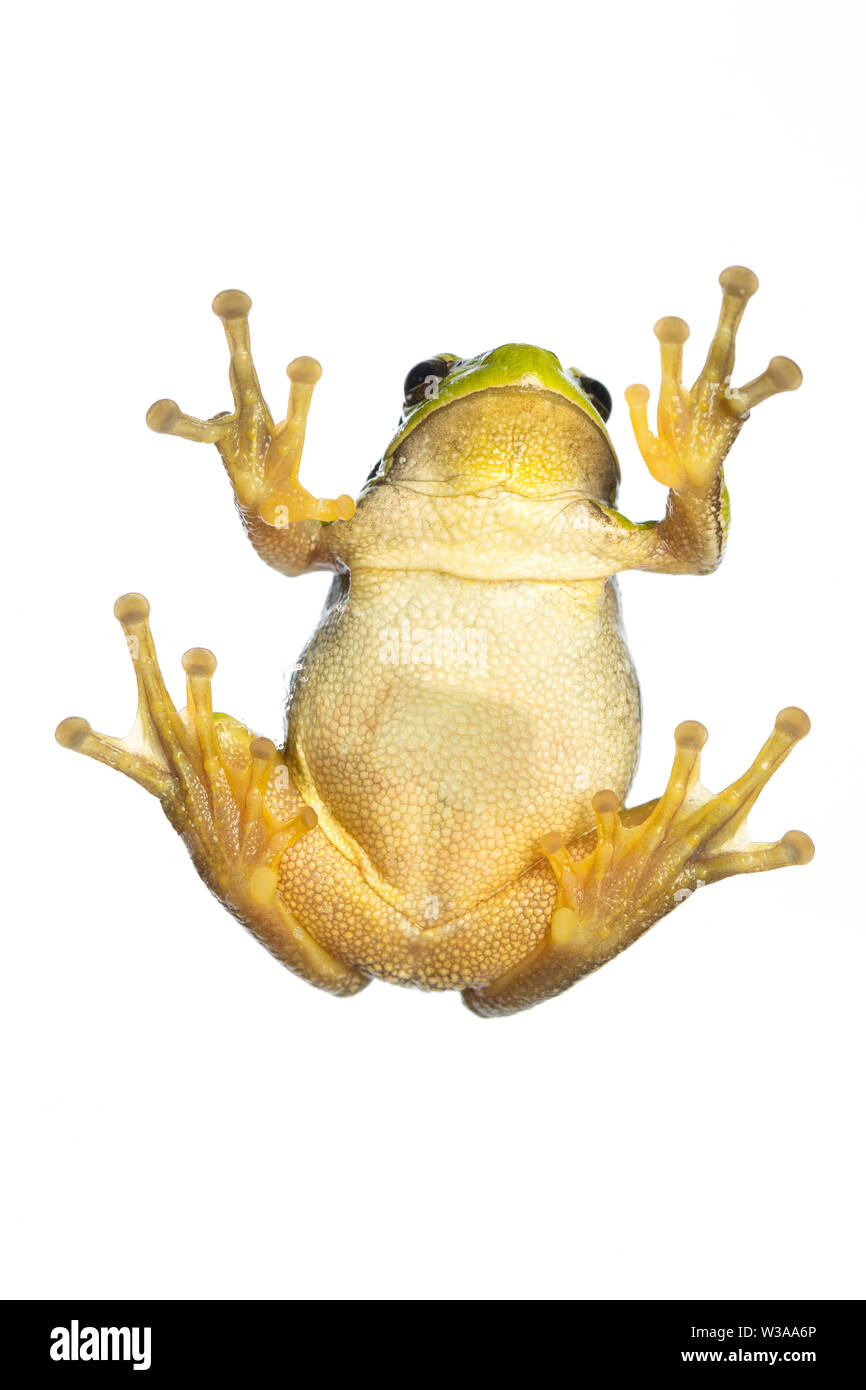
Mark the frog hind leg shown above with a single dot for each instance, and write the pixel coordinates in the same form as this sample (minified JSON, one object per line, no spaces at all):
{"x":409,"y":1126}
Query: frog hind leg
{"x":226,"y":792}
{"x":640,"y":863}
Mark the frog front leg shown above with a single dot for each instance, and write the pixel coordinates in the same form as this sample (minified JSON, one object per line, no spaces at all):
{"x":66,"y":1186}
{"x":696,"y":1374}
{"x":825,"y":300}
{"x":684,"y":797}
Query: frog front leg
{"x":282,"y":519}
{"x":638,"y":865}
{"x":695,"y":431}
{"x":226,"y":792}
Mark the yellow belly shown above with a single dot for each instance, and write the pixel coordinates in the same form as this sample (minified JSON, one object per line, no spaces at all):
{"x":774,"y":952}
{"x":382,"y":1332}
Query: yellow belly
{"x":440,"y":726}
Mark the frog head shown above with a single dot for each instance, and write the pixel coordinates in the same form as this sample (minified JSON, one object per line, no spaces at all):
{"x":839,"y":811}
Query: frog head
{"x":512,"y":419}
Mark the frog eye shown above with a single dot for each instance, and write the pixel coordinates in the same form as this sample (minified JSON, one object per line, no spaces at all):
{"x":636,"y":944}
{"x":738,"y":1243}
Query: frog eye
{"x":598,"y":394}
{"x":423,"y":380}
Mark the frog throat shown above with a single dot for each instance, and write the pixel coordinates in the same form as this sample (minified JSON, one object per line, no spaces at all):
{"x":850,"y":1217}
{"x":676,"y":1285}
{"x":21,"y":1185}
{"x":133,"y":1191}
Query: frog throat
{"x":517,"y":366}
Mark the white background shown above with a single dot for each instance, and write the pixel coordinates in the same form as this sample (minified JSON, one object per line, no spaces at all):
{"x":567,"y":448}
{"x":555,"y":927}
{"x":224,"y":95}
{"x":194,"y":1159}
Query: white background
{"x":184,"y":1118}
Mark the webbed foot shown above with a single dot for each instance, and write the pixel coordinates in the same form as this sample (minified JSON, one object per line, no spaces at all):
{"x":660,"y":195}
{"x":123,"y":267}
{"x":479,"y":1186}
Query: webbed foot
{"x":640,"y":863}
{"x":226,"y":792}
{"x":697,"y":427}
{"x":261,"y":458}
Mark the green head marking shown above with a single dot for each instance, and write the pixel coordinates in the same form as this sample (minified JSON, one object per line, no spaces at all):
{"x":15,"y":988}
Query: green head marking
{"x":445,"y":378}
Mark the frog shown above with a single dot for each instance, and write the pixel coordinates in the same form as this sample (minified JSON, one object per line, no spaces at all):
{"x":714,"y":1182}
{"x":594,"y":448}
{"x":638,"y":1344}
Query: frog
{"x":447,"y":807}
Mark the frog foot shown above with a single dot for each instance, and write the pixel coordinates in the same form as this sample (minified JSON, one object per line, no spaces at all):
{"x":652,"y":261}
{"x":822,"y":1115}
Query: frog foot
{"x":640,"y":863}
{"x":261,"y":458}
{"x":226,"y":792}
{"x":697,"y":427}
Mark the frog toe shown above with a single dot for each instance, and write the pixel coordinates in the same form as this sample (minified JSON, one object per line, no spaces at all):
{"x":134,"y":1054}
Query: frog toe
{"x":226,"y":792}
{"x":642,"y":862}
{"x":697,"y":426}
{"x":261,"y":458}
{"x":781,"y":375}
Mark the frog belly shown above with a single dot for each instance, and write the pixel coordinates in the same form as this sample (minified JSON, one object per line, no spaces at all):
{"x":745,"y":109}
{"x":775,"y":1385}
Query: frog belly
{"x":440,"y":726}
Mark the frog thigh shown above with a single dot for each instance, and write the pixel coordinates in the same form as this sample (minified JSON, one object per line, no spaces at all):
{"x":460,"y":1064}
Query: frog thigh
{"x":332,"y":898}
{"x":260,"y":851}
{"x":571,"y":911}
